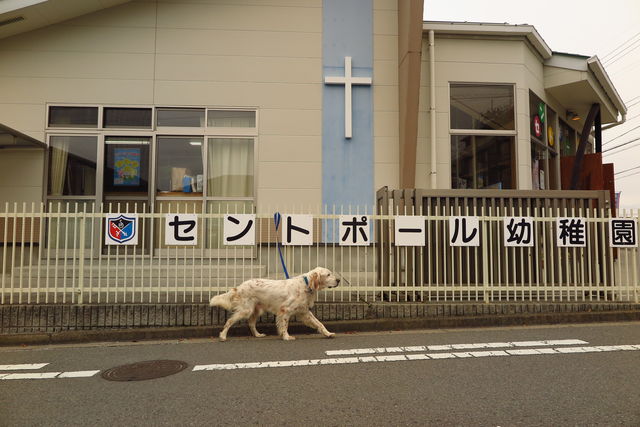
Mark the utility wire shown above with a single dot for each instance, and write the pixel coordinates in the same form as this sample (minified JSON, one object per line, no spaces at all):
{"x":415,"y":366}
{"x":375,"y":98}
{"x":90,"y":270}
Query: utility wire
{"x":623,"y":53}
{"x":626,"y":170}
{"x":627,"y":176}
{"x":620,"y":45}
{"x":621,"y":145}
{"x":622,"y":134}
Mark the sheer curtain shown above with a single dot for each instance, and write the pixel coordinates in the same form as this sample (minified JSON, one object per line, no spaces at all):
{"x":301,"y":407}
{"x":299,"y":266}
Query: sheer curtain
{"x":58,"y":167}
{"x":230,"y":167}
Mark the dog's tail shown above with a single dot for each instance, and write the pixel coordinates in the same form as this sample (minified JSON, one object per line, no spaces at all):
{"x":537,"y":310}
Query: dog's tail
{"x":223,"y":300}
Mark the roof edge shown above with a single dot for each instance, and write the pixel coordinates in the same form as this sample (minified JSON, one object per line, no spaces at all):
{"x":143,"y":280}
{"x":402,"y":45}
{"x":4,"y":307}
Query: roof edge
{"x":487,"y":28}
{"x":598,"y":70}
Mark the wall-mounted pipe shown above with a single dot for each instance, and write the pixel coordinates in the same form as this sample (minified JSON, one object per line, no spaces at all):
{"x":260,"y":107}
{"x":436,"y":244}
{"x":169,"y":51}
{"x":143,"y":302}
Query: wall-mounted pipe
{"x":432,"y":108}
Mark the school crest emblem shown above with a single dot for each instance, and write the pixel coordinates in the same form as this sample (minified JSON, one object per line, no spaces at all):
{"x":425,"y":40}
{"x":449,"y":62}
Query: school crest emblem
{"x":122,"y":230}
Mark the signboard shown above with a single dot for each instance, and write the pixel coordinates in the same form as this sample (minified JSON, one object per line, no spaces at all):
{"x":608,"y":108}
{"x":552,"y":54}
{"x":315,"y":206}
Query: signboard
{"x":121,"y":229}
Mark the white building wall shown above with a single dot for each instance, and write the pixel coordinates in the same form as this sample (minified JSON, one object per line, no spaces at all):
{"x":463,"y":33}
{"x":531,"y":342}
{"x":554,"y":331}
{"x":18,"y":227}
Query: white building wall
{"x":265,"y":54}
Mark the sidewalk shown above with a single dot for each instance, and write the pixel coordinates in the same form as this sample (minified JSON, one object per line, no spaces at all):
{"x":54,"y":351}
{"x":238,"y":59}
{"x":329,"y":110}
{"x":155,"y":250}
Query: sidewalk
{"x":47,"y":324}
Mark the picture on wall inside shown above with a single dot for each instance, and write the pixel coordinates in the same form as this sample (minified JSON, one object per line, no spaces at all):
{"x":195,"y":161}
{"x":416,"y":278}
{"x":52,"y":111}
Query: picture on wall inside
{"x":126,"y":171}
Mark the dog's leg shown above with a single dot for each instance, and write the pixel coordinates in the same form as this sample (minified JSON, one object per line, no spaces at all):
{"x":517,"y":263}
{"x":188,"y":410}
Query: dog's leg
{"x":310,"y":320}
{"x":282,"y":323}
{"x":252,"y":323}
{"x":238,"y":315}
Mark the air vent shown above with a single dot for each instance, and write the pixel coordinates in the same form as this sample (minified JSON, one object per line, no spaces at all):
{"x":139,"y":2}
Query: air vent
{"x":11,"y":20}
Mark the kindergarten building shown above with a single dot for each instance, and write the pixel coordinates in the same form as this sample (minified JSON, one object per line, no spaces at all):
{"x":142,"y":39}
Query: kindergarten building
{"x":310,"y":106}
{"x":278,"y":102}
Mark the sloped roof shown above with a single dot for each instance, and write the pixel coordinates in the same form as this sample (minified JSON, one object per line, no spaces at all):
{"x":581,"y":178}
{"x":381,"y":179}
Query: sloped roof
{"x":20,"y":16}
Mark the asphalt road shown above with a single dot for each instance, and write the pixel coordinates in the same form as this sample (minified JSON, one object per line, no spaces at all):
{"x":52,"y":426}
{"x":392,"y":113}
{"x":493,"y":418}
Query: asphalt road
{"x":465,"y":388}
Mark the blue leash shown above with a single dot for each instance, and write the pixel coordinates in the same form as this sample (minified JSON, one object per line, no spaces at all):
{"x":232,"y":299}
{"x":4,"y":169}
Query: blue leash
{"x":276,"y":221}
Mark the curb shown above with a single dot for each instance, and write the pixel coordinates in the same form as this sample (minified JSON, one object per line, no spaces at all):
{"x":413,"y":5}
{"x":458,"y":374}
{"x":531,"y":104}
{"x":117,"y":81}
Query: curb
{"x":340,"y":326}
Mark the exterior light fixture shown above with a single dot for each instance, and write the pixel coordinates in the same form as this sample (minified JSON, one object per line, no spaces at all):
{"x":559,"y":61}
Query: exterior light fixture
{"x":571,"y":115}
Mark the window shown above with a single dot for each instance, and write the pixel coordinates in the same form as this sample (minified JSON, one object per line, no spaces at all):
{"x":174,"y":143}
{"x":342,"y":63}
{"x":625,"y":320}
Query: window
{"x":230,"y":167}
{"x":485,"y":107}
{"x":482,"y":120}
{"x":544,"y":161}
{"x":567,"y":140}
{"x":127,"y":118}
{"x":76,"y":117}
{"x":179,"y":165}
{"x":72,"y":165}
{"x":231,"y":118}
{"x":126,"y":165}
{"x":180,"y":117}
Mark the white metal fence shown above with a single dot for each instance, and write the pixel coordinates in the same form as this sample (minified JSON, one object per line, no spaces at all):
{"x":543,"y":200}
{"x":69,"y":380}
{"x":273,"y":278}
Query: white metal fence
{"x":58,"y":255}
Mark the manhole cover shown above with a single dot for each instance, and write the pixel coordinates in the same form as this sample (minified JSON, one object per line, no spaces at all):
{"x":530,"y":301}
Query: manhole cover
{"x":146,"y":370}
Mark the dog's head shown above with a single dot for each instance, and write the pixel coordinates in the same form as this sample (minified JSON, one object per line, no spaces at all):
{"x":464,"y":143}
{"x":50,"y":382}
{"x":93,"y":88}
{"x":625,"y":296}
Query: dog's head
{"x":320,"y":278}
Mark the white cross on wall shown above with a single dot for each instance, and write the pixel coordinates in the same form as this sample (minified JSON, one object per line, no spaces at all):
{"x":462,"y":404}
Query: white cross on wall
{"x":348,"y":80}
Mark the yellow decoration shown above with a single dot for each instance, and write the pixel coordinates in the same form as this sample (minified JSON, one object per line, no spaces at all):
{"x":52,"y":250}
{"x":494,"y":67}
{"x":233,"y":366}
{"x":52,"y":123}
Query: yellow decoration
{"x":550,"y":136}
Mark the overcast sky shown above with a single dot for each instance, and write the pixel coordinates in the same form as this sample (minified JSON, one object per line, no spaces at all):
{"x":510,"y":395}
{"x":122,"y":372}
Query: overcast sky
{"x":586,"y":27}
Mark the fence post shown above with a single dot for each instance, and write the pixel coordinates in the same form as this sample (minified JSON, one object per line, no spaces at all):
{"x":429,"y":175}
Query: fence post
{"x":80,"y":288}
{"x":485,"y":258}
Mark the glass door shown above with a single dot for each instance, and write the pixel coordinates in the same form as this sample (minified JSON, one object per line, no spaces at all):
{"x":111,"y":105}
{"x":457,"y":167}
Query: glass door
{"x":126,"y":182}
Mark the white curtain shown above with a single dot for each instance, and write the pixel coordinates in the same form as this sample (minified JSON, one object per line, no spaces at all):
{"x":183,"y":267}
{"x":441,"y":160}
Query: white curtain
{"x":58,"y":172}
{"x":230,"y":167}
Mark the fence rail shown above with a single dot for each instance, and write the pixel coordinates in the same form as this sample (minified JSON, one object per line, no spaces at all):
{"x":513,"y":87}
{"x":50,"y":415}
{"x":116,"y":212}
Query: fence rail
{"x":56,"y":254}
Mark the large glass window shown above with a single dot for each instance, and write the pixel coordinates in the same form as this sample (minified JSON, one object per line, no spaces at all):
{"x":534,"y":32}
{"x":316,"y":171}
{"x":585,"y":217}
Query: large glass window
{"x":72,"y":165}
{"x":77,"y":117}
{"x":482,"y":136}
{"x":179,"y":165}
{"x":481,"y":161}
{"x":230,"y":167}
{"x":483,"y":107}
{"x":126,"y":165}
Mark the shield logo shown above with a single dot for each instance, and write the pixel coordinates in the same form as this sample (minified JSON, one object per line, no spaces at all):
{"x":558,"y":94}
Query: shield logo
{"x":122,"y":230}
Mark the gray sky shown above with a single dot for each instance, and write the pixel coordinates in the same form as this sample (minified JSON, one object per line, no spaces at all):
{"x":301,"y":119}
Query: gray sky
{"x":586,"y":27}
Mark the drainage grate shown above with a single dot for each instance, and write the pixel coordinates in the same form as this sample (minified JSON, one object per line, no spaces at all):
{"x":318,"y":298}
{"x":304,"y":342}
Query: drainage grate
{"x":146,"y":370}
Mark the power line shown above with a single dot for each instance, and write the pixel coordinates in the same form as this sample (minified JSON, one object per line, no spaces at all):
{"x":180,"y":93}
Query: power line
{"x":621,"y":145}
{"x":626,"y":170}
{"x":622,"y":134}
{"x":623,"y":53}
{"x":620,"y":45}
{"x":627,"y":176}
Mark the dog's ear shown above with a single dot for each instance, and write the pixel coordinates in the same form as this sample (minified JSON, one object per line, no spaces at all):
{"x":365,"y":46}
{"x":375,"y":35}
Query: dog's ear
{"x":314,"y":281}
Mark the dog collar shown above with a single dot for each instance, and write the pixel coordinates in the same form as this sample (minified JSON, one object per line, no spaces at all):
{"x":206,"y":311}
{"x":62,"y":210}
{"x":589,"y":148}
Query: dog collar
{"x":306,"y":281}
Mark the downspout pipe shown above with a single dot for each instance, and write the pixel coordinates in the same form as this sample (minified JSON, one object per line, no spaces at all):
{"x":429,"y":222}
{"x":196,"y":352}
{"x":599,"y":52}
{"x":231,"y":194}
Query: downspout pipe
{"x":432,"y":108}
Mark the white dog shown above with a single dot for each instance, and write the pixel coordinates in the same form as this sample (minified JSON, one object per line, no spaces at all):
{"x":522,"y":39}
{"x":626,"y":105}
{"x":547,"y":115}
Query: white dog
{"x":284,"y":298}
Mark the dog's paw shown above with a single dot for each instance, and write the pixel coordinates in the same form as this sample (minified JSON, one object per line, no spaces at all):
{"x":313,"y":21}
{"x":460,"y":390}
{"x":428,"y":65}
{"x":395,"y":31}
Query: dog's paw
{"x":222,"y":339}
{"x":288,"y":338}
{"x":330,"y":335}
{"x":260,"y":335}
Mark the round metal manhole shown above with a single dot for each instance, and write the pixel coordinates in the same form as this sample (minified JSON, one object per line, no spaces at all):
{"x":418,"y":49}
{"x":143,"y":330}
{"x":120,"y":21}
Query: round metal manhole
{"x":146,"y":370}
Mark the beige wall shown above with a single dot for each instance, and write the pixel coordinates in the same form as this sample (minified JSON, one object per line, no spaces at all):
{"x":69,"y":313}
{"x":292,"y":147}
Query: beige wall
{"x":480,"y":61}
{"x":21,"y":176}
{"x":272,"y":56}
{"x":385,"y":93}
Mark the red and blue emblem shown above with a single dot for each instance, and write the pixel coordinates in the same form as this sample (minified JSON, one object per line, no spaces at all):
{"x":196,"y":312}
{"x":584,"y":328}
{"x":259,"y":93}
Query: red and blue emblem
{"x":121,"y":229}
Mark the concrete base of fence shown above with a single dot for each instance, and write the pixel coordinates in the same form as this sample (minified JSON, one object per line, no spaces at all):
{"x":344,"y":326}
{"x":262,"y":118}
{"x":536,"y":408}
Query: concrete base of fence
{"x":28,"y":324}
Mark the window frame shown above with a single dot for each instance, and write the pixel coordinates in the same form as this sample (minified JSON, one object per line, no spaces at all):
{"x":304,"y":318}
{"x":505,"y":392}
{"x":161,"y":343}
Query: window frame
{"x":486,"y":132}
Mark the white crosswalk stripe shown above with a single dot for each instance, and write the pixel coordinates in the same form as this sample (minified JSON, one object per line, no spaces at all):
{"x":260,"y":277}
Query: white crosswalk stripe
{"x":21,"y":367}
{"x":448,"y":347}
{"x":419,"y":356}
